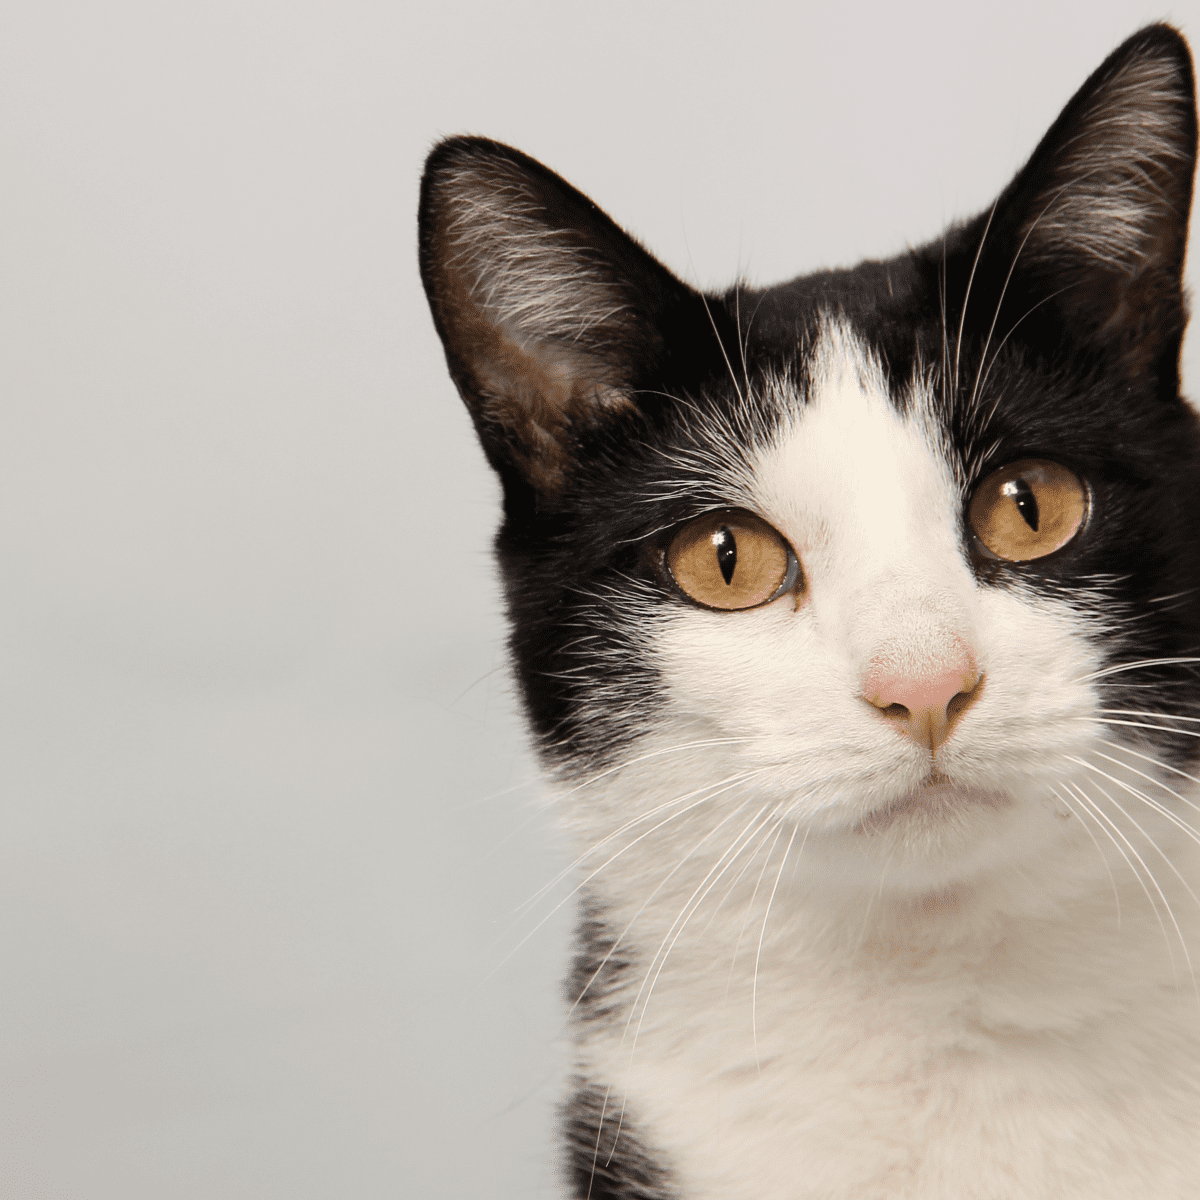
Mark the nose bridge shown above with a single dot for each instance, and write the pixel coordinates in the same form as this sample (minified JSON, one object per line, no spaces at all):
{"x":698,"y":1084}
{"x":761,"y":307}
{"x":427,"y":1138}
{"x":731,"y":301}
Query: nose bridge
{"x":902,"y":567}
{"x":879,"y":536}
{"x":880,"y":544}
{"x":909,"y":616}
{"x":914,"y":652}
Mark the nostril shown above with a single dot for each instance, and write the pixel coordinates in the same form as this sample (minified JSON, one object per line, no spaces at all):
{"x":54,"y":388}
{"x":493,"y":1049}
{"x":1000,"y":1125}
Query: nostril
{"x":924,"y":703}
{"x":961,"y":702}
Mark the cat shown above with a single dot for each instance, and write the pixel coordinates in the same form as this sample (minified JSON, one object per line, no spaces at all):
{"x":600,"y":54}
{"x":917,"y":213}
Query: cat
{"x":857,"y":625}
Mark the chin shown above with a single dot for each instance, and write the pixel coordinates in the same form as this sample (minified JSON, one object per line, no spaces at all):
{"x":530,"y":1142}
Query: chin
{"x":941,"y":835}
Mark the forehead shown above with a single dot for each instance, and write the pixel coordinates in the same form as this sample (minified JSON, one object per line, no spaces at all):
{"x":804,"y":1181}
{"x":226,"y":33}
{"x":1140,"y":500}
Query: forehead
{"x":854,"y":457}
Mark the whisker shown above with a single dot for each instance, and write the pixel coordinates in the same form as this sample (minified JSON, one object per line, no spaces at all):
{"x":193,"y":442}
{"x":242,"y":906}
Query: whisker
{"x":1170,"y":911}
{"x":1145,"y":725}
{"x":1135,"y":666}
{"x":981,"y":384}
{"x":680,"y":923}
{"x":1146,"y":758}
{"x":645,"y":903}
{"x":1003,"y":292}
{"x":1097,"y":812}
{"x":529,"y":781}
{"x":777,"y":829}
{"x":1155,"y":806}
{"x":630,"y":824}
{"x":722,"y":787}
{"x":761,"y":935}
{"x":1086,"y":828}
{"x":995,"y":317}
{"x":875,"y":895}
{"x":741,"y":341}
{"x":1157,"y":783}
{"x":962,"y":316}
{"x":945,"y":374}
{"x":728,"y":365}
{"x":732,"y":782}
{"x":1101,"y":817}
{"x":745,"y":867}
{"x":1134,"y":712}
{"x":596,"y":1151}
{"x":669,"y":948}
{"x":702,"y":744}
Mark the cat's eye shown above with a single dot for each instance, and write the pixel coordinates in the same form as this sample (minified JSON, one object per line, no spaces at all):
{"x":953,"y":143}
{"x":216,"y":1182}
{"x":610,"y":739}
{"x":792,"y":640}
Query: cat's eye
{"x":1028,"y":509}
{"x":731,"y":560}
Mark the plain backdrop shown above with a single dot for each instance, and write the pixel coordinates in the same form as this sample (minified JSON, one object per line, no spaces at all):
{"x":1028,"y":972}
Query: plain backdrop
{"x":266,"y":818}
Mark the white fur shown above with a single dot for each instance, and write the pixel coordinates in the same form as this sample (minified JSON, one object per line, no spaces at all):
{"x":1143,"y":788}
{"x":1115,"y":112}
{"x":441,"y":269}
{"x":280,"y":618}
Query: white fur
{"x":987,"y":998}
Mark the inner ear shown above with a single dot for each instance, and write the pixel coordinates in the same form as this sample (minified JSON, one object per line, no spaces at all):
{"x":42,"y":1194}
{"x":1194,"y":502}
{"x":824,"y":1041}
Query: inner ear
{"x":1094,"y":228}
{"x":550,"y":315}
{"x":515,"y":351}
{"x":1117,"y":180}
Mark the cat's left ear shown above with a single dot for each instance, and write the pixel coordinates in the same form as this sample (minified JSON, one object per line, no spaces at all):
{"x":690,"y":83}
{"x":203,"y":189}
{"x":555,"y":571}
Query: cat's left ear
{"x":1094,"y":228}
{"x":552,"y":318}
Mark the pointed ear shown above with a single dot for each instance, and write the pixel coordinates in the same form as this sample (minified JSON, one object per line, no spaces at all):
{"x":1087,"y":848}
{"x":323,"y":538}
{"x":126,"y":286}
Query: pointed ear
{"x":550,"y":315}
{"x":1096,"y":223}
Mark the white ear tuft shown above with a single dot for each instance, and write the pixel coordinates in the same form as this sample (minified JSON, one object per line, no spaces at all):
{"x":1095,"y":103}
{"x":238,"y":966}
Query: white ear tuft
{"x":1124,"y":171}
{"x":532,"y":280}
{"x":1091,"y":234}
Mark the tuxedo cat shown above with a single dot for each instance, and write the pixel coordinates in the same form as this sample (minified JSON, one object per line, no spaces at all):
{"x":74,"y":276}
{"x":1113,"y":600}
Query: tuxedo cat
{"x":857,"y":622}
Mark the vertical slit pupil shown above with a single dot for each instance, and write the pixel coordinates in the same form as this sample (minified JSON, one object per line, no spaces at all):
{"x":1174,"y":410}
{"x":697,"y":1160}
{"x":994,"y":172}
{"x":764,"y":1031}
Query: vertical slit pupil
{"x":726,"y":547}
{"x":1026,"y":502}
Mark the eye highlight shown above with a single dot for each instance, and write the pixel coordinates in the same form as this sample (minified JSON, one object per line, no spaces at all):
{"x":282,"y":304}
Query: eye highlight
{"x":731,"y":560}
{"x":1028,"y":509}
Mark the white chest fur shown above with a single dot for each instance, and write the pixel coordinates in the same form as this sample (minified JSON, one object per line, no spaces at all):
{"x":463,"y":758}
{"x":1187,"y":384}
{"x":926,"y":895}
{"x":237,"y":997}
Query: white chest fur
{"x":835,"y":992}
{"x":919,"y":1049}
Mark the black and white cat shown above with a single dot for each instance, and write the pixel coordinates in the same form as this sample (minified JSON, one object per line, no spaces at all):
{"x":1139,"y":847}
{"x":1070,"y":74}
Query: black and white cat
{"x":857,"y":621}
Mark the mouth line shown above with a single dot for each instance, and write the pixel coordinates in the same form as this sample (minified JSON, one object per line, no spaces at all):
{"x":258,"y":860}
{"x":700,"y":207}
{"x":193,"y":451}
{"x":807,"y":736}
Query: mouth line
{"x":935,"y":796}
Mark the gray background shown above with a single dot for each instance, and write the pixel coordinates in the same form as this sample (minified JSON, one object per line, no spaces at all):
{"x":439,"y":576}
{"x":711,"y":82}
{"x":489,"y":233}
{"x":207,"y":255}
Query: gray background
{"x":265,"y":818}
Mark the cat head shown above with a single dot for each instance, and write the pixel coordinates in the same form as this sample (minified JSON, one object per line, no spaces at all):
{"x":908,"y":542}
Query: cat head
{"x":910,"y":552}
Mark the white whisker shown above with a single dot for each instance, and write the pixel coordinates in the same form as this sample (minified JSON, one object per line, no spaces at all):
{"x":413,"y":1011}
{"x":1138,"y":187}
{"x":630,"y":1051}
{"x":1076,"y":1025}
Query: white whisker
{"x":962,"y":316}
{"x":596,"y":1151}
{"x":761,"y":935}
{"x":745,"y":867}
{"x":1086,"y":828}
{"x":1134,"y":712}
{"x":1103,"y":820}
{"x":1193,"y":833}
{"x":1145,"y":725}
{"x":1153,"y":761}
{"x":632,"y":823}
{"x":680,"y":923}
{"x":1141,"y":664}
{"x":732,"y":782}
{"x":645,"y":903}
{"x":776,"y":829}
{"x":1155,"y":806}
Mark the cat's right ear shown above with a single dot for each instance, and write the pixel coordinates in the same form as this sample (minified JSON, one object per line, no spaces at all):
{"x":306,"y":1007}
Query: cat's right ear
{"x":552,"y":318}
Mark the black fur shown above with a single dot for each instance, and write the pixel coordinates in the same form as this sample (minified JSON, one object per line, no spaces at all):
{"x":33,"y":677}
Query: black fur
{"x":606,"y":1158}
{"x":599,"y":968}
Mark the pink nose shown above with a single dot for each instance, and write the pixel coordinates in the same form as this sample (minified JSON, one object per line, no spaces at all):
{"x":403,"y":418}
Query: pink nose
{"x":924,"y":700}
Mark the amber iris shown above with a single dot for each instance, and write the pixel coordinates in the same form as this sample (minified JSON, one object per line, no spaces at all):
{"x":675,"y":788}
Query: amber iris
{"x":1028,"y":509}
{"x":731,"y":560}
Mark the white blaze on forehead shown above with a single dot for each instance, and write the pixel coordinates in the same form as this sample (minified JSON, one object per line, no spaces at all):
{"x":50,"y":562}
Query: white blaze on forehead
{"x":868,"y":498}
